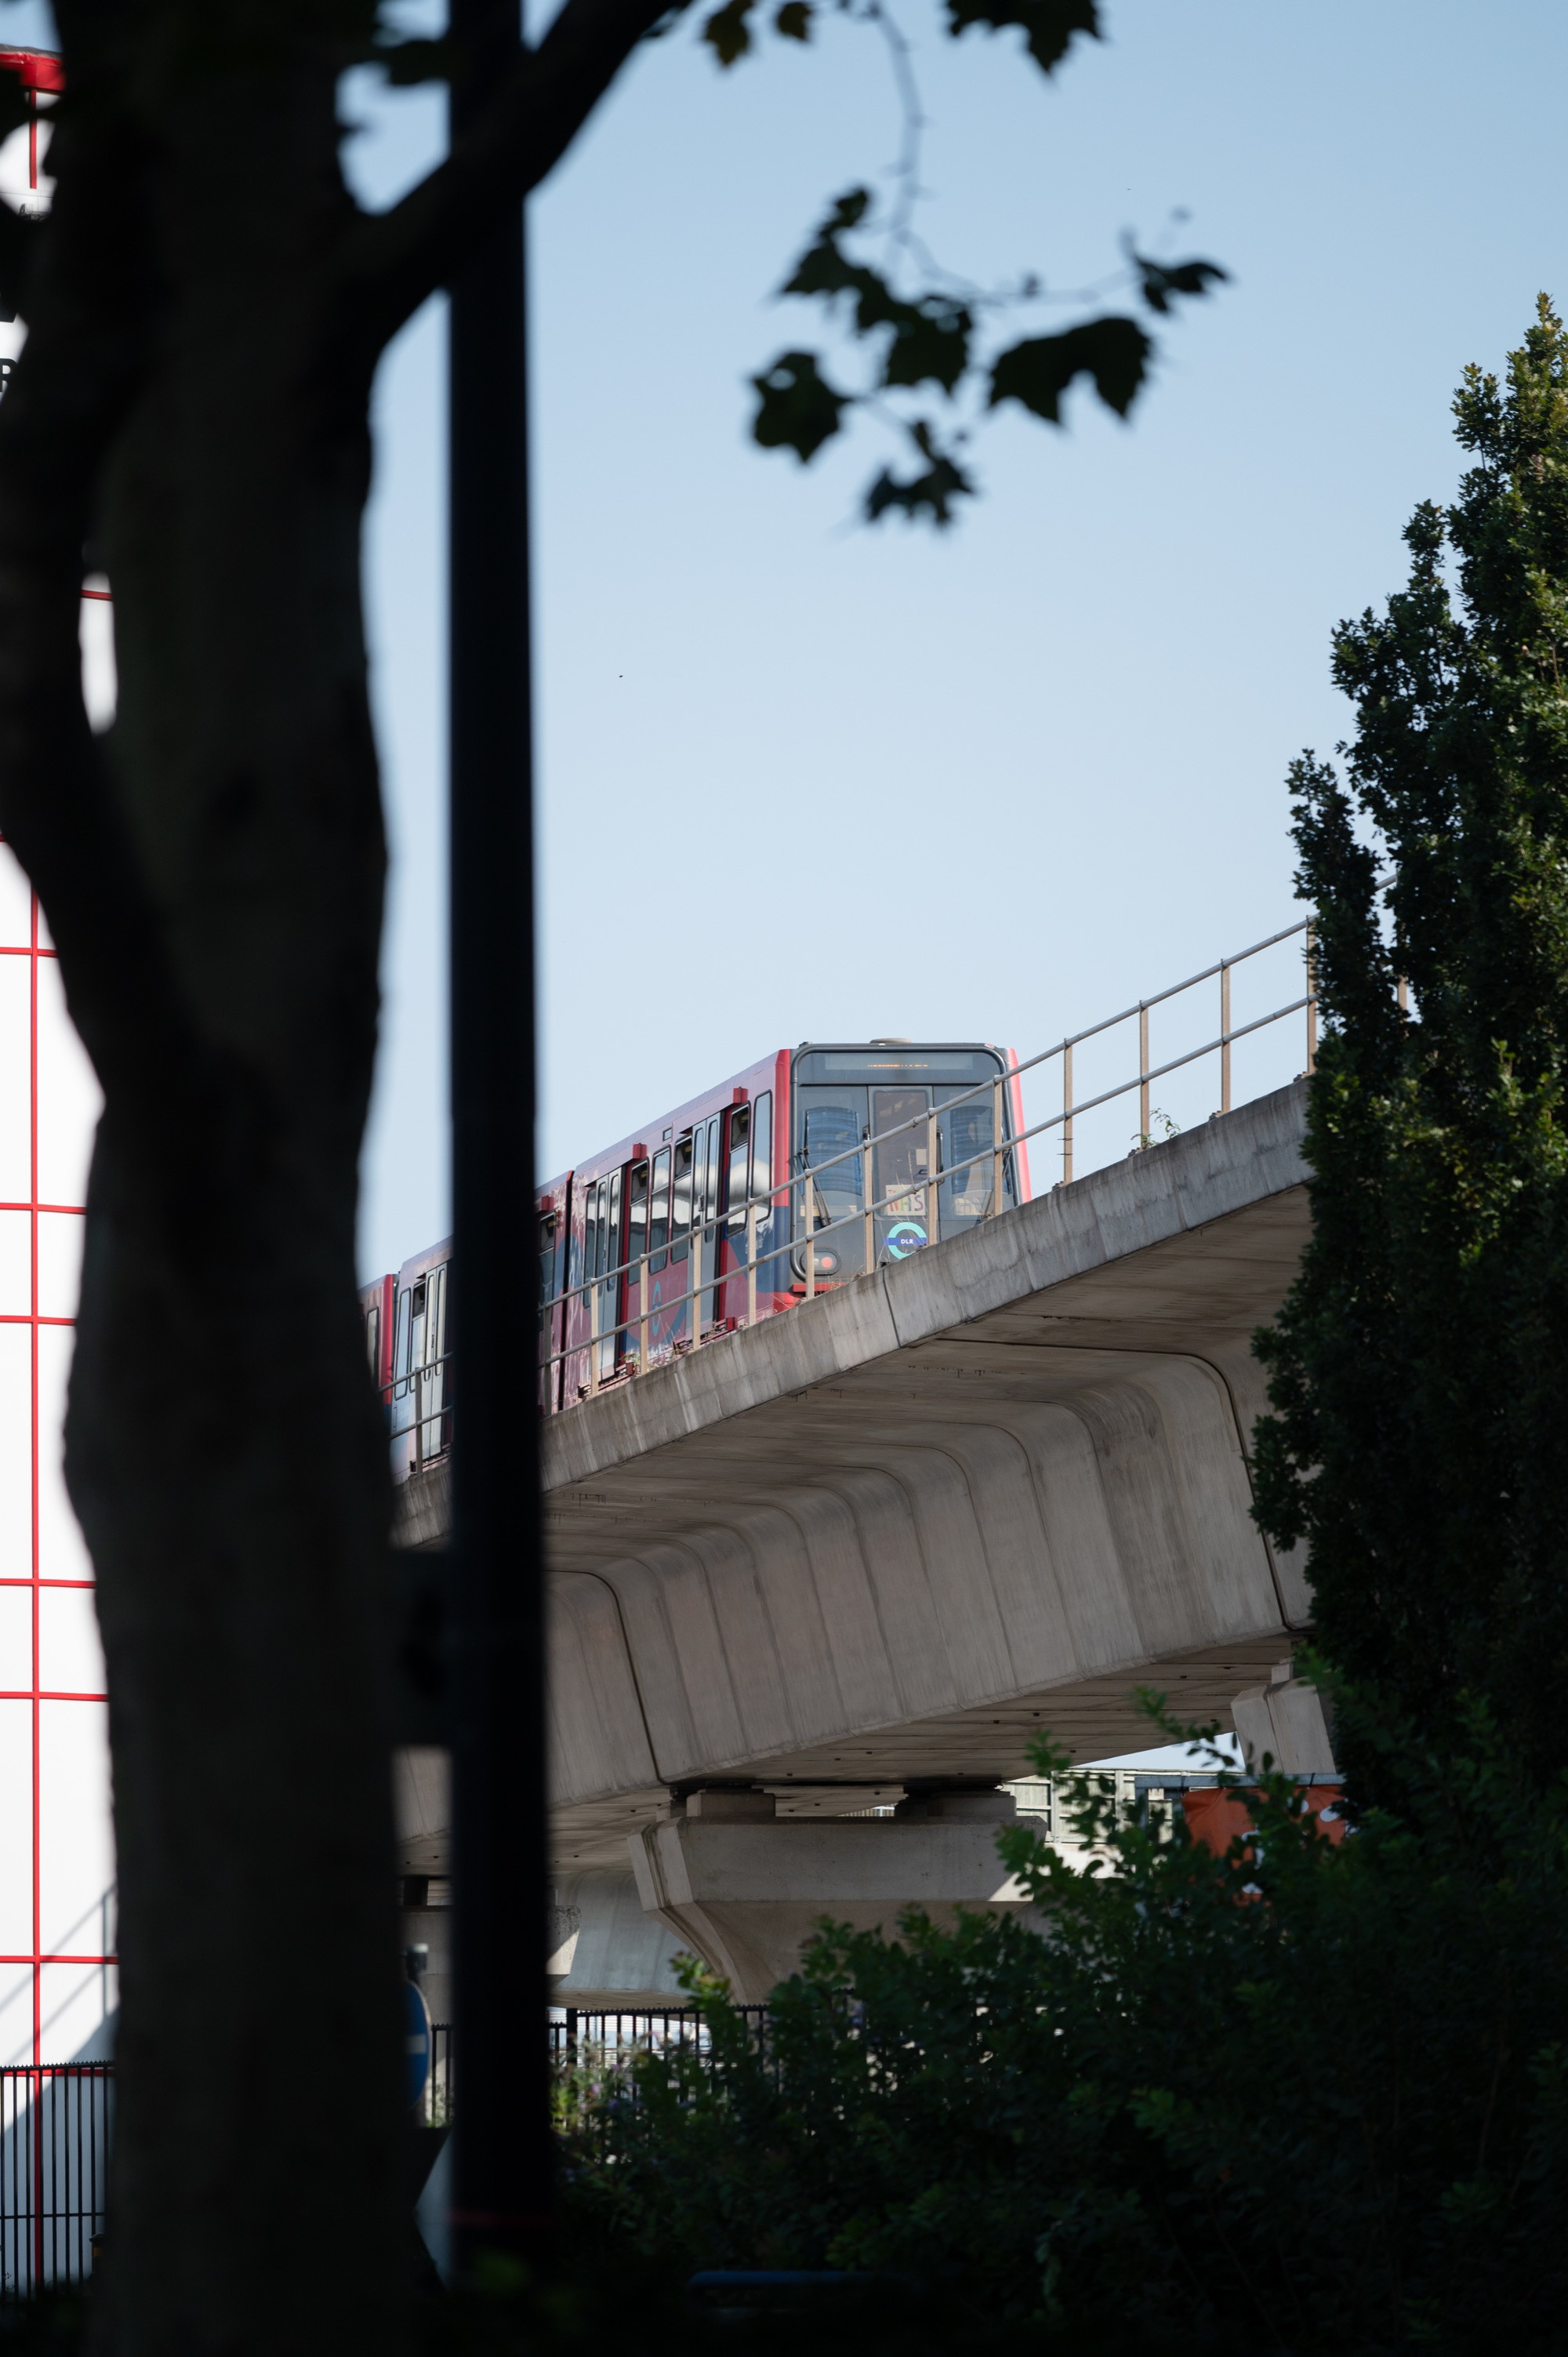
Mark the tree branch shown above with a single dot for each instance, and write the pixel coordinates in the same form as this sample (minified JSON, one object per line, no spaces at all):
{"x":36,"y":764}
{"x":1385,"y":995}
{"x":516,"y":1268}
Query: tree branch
{"x":390,"y":262}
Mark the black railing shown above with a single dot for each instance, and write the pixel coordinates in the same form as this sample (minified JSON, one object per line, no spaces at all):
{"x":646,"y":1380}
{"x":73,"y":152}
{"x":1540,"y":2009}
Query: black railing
{"x":54,"y":2171}
{"x":56,"y":2121}
{"x":597,"y":2037}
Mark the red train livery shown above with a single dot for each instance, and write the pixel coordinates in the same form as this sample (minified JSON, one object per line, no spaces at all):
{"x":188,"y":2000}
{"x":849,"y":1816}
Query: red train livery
{"x":671,"y":1208}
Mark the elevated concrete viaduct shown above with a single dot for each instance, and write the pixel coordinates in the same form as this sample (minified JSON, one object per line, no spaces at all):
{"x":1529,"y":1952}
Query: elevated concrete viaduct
{"x":871,"y":1548}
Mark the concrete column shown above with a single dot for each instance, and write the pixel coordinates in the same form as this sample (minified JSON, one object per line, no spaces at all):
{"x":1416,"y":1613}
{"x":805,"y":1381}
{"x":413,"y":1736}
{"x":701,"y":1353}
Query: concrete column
{"x":745,"y":1890}
{"x":1286,"y":1718}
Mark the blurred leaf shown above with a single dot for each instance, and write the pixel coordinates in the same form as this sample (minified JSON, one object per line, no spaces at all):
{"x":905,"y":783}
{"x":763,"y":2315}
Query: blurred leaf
{"x":931,"y":335}
{"x":1161,"y":280}
{"x":794,"y":20}
{"x":931,"y":492}
{"x":727,"y":32}
{"x":930,"y":343}
{"x":826,"y":269}
{"x":797,"y":410}
{"x":1113,"y":351}
{"x":1050,"y":25}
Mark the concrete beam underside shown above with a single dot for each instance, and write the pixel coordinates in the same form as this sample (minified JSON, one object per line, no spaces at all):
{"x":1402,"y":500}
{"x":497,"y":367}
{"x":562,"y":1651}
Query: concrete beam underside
{"x":896,"y":1534}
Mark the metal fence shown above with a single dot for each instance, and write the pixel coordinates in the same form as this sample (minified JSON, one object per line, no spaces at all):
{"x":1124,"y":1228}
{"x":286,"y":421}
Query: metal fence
{"x":54,"y":2121}
{"x":595,"y":2039}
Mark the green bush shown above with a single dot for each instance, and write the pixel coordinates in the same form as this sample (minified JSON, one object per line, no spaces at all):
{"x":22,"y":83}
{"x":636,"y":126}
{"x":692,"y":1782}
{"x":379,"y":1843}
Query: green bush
{"x":1299,"y":2097}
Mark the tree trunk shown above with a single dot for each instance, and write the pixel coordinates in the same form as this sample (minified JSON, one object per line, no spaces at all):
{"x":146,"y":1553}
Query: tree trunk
{"x":224,"y":1451}
{"x":205,"y":310}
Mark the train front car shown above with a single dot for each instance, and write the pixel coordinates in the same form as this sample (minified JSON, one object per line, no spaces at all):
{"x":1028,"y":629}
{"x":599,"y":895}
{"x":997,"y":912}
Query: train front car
{"x":894,"y":1145}
{"x":700,"y":1223}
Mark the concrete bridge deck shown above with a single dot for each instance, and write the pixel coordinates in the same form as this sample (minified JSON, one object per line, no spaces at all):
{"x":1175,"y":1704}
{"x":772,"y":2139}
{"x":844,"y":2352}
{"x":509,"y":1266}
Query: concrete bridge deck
{"x":893,"y":1534}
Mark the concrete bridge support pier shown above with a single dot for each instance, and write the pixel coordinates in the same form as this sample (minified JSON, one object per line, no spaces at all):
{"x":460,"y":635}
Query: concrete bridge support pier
{"x":745,"y":1890}
{"x":1285,"y":1722}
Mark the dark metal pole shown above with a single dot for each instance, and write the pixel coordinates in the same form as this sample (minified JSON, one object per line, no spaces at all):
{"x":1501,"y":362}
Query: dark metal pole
{"x":501,"y":2119}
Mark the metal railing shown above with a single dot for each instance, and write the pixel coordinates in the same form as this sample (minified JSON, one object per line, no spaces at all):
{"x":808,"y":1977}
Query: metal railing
{"x":426,"y":1394}
{"x":55,"y":2121}
{"x":762,"y":1207}
{"x":597,"y":2037}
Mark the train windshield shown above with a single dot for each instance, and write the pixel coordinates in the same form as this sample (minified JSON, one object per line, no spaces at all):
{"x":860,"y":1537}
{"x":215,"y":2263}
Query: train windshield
{"x":895,"y":1108}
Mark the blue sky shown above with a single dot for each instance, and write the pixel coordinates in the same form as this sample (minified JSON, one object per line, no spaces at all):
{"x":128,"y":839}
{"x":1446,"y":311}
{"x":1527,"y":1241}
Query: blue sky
{"x":798,"y":779}
{"x":801,"y":779}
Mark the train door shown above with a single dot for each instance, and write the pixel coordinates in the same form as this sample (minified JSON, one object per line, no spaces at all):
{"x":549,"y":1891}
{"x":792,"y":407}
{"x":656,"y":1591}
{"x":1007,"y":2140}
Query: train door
{"x":605,"y":1238}
{"x":549,"y":1317}
{"x":427,"y":1362}
{"x":659,"y":1281}
{"x":737,"y":1191}
{"x":679,"y":1323}
{"x":901,"y":1182}
{"x":705,"y":1220}
{"x":635,"y":1261}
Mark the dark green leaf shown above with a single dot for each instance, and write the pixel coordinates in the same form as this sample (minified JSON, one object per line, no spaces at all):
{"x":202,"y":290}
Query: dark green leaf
{"x":726,"y":31}
{"x":1048,"y":25}
{"x":930,"y":343}
{"x":794,"y":20}
{"x":826,"y":269}
{"x":1161,"y":280}
{"x":797,"y":409}
{"x":1114,"y":351}
{"x":931,"y":492}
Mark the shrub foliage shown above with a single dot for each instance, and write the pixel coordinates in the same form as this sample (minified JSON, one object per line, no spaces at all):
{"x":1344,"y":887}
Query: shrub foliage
{"x":1420,"y":1369}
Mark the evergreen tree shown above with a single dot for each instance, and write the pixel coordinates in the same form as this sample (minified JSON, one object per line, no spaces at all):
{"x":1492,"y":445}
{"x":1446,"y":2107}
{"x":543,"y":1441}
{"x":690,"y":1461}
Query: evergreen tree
{"x":1420,"y":1366}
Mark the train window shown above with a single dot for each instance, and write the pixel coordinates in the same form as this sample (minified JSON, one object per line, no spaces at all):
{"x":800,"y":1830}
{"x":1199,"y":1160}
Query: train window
{"x":435,"y":1316}
{"x":835,"y":1126}
{"x":899,"y":1165}
{"x":636,"y":1213}
{"x":762,"y":1145}
{"x":965,"y":1131}
{"x":681,"y":1205}
{"x":612,"y":1223}
{"x":546,"y":1257}
{"x":710,"y":1195}
{"x":590,"y":1232}
{"x":659,"y":1209}
{"x":604,"y":1238}
{"x":739,"y":1163}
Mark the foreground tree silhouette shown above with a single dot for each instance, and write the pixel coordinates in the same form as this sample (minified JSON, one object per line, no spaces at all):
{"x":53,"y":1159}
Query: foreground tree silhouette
{"x":206,"y":307}
{"x":1420,"y":1366}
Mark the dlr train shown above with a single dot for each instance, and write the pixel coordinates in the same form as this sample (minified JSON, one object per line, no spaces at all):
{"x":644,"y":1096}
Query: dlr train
{"x":710,"y":1208}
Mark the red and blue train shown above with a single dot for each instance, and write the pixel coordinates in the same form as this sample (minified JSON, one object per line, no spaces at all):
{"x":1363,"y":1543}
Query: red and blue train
{"x":776,"y":1153}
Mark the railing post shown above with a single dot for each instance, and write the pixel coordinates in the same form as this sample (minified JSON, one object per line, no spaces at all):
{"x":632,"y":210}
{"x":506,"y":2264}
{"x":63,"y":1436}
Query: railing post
{"x":1143,"y":1074}
{"x":811,"y":1246}
{"x":1067,"y":1112}
{"x":644,"y":1332}
{"x":1225,"y":1039}
{"x":751,"y":1264}
{"x":1311,"y":996}
{"x":998,"y":1155}
{"x":868,"y":1239}
{"x":932,"y":1172}
{"x":594,"y":1340}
